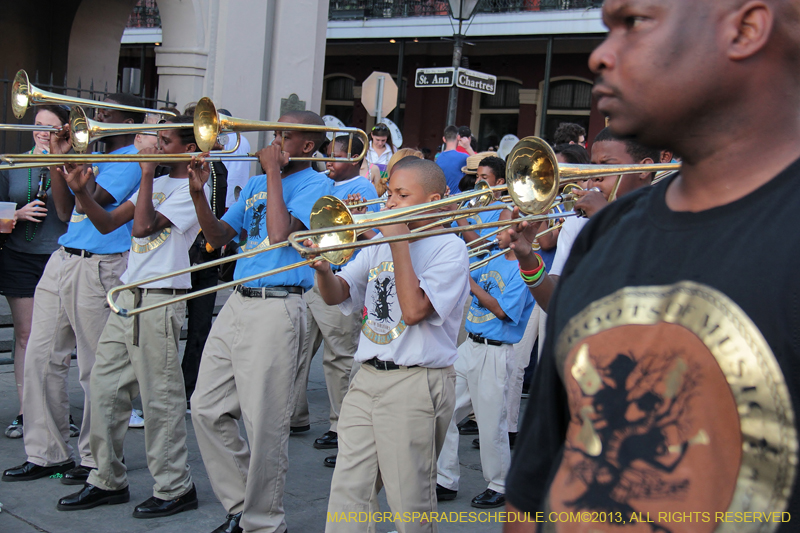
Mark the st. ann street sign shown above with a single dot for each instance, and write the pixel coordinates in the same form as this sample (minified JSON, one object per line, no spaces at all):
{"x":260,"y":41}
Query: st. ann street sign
{"x":435,"y":77}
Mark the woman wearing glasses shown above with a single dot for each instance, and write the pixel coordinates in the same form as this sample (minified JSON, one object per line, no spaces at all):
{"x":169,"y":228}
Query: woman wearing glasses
{"x":25,"y":252}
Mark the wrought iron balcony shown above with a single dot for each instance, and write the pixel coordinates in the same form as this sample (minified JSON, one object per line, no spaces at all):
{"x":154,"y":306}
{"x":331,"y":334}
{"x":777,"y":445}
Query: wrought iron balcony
{"x":367,"y":9}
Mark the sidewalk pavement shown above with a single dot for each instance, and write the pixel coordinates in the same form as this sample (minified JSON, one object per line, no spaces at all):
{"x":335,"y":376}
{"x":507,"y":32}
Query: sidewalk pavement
{"x":29,"y":507}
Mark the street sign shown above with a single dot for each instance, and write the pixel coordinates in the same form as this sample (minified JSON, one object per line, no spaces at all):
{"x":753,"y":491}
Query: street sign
{"x":434,"y":77}
{"x":476,"y":81}
{"x":379,"y":94}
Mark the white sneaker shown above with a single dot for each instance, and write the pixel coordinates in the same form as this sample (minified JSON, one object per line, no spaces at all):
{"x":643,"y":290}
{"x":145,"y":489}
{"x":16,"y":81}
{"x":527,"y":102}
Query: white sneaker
{"x":136,"y":420}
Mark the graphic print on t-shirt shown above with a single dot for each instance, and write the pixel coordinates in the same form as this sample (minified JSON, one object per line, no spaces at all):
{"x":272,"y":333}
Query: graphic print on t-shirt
{"x":257,"y":231}
{"x":384,"y":321}
{"x":141,"y":245}
{"x":677,"y":403}
{"x":492,"y":282}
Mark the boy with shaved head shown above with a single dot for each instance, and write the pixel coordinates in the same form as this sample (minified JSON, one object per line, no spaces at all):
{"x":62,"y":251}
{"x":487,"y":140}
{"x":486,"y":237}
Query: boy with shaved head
{"x":395,"y":416}
{"x":249,"y":363}
{"x":669,"y":387}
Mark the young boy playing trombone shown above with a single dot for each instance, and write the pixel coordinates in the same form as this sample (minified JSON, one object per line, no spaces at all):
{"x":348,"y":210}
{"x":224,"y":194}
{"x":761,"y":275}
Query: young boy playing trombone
{"x":395,"y":414}
{"x":140,"y":354}
{"x":250,"y":359}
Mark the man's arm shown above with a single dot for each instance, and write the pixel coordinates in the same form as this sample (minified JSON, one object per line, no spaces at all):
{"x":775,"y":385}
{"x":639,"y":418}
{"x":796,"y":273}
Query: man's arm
{"x":146,"y":220}
{"x":414,"y":303}
{"x":279,"y":222}
{"x":468,"y":235}
{"x":487,"y":300}
{"x":104,"y":221}
{"x":62,"y":198}
{"x":333,"y":289}
{"x":522,"y":236}
{"x":216,"y":232}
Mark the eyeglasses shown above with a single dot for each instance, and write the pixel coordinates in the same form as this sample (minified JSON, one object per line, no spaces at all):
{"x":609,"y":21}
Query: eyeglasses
{"x":380,"y":128}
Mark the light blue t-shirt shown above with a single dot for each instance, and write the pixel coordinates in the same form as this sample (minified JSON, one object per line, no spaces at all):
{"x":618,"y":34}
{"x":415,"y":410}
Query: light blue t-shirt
{"x":249,"y":213}
{"x":120,"y":180}
{"x":451,"y":163}
{"x":358,"y":185}
{"x":486,"y":216}
{"x":501,"y":279}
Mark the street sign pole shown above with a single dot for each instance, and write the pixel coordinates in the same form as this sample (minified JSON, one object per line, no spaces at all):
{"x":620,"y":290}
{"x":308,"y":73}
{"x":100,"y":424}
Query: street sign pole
{"x":453,"y":102}
{"x":379,"y":100}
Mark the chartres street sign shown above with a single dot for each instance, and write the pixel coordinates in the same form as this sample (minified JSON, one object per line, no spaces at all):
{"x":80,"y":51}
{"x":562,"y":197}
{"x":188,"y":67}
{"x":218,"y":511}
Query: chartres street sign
{"x":434,"y":77}
{"x":476,"y":81}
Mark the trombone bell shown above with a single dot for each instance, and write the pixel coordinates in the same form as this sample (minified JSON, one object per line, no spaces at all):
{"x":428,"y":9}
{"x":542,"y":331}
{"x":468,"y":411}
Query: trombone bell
{"x":329,"y":212}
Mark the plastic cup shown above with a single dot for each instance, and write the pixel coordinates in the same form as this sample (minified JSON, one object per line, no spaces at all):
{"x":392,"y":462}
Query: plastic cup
{"x":7,"y":210}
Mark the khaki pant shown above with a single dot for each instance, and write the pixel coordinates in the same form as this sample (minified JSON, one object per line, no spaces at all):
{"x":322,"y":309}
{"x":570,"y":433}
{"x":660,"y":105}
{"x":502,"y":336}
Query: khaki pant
{"x":391,"y":430}
{"x":153,"y":368}
{"x":482,"y":373}
{"x":69,"y":310}
{"x":340,"y":333}
{"x":522,"y":356}
{"x":247,"y":373}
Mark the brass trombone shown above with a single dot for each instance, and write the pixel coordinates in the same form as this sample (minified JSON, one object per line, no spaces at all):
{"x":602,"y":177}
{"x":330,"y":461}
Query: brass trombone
{"x":25,"y":94}
{"x":84,"y":131}
{"x":368,"y":221}
{"x":334,"y":229}
{"x":209,"y":124}
{"x":28,"y":127}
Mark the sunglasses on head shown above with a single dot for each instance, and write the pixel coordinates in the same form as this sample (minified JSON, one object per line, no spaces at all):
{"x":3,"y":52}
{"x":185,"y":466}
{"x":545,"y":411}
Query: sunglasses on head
{"x":380,"y":128}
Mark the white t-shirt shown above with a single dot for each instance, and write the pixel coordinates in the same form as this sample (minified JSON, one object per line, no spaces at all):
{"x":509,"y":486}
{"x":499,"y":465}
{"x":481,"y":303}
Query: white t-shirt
{"x":167,"y":250}
{"x":238,"y":171}
{"x":442,"y":266}
{"x":566,"y":238}
{"x":375,"y":159}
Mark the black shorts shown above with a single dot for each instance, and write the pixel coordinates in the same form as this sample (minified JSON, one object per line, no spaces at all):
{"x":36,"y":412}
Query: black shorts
{"x":20,"y":272}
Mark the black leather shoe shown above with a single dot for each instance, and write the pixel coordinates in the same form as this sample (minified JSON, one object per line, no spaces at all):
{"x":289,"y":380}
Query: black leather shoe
{"x":329,"y":440}
{"x":156,"y":507}
{"x":294,"y":430}
{"x":90,"y":497}
{"x":231,"y":524}
{"x":330,"y":461}
{"x":76,"y":476}
{"x":470,"y":427}
{"x":476,"y":443}
{"x":28,"y":471}
{"x":443,"y":494}
{"x":488,"y":499}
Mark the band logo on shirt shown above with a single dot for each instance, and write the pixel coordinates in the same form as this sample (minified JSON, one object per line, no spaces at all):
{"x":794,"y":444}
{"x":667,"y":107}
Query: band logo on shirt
{"x":381,"y":326}
{"x":676,"y":399}
{"x":76,"y":217}
{"x":491,"y":282}
{"x":142,"y":245}
{"x":257,"y":222}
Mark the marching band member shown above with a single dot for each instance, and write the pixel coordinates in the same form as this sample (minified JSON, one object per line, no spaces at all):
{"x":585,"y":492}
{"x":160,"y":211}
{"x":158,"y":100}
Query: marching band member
{"x":669,"y":379}
{"x":327,"y":322}
{"x":140,"y":354}
{"x":395,"y":415}
{"x":250,"y":360}
{"x":70,"y":308}
{"x":500,"y":309}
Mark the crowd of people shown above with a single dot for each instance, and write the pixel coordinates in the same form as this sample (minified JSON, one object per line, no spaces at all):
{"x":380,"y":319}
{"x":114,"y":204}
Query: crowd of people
{"x":660,"y":379}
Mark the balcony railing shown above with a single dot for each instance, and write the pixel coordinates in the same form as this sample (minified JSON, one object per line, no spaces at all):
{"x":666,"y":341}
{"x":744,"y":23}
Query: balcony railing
{"x":366,"y":9}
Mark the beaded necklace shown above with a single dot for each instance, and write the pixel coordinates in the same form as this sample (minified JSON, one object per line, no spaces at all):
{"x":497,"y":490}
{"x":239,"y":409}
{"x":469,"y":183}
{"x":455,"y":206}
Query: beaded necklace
{"x":28,"y":236}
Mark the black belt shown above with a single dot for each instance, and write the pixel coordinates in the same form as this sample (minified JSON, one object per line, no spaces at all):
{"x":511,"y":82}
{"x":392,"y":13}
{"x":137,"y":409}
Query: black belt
{"x":138,"y":292}
{"x":268,"y":292}
{"x":484,"y":340}
{"x":81,"y":253}
{"x":385,"y":365}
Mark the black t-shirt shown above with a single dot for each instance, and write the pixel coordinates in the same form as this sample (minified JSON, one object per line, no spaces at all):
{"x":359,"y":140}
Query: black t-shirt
{"x":670,"y":377}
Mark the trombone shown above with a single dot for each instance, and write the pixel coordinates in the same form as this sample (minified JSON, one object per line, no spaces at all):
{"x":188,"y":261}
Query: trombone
{"x":209,"y":124}
{"x":25,"y":94}
{"x":368,"y":220}
{"x":28,"y":127}
{"x":206,"y":128}
{"x":532,"y":164}
{"x":84,"y":131}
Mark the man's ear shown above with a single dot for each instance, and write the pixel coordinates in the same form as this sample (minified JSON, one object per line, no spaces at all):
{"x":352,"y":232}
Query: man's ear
{"x":432,"y":197}
{"x":644,"y":176}
{"x":191,"y":147}
{"x":749,"y":29}
{"x":309,"y":147}
{"x":128,"y":121}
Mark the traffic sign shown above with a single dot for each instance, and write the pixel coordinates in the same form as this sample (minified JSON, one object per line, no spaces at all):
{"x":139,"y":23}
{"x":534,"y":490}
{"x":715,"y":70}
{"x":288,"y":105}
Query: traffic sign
{"x":476,"y":81}
{"x":379,"y":94}
{"x":434,"y":77}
